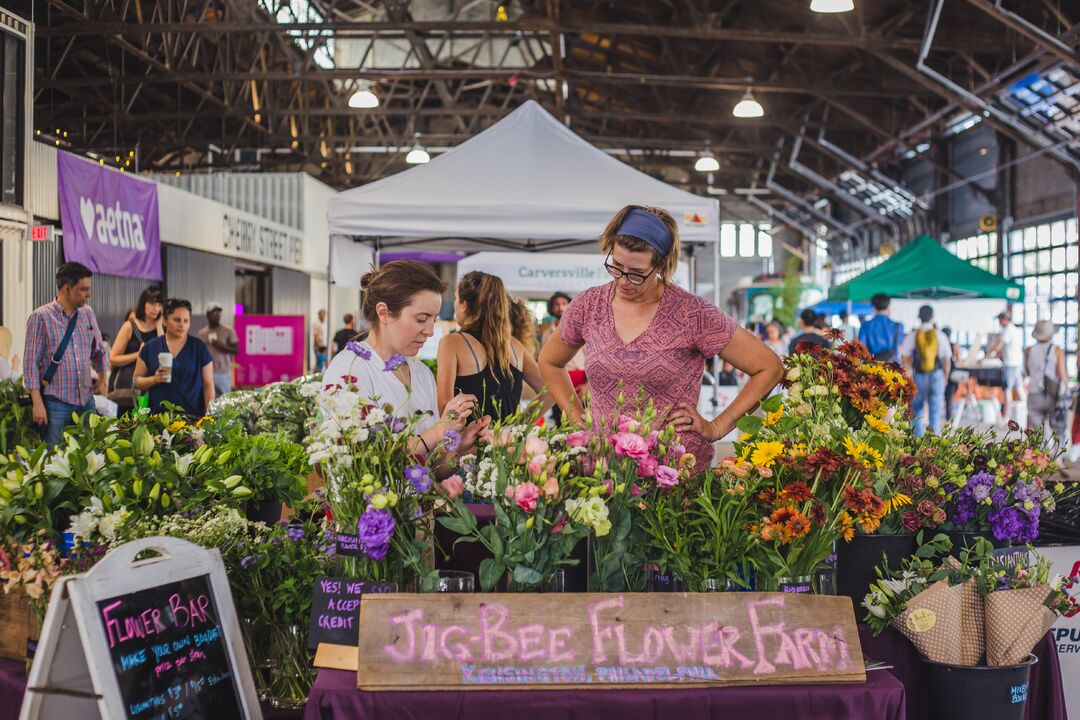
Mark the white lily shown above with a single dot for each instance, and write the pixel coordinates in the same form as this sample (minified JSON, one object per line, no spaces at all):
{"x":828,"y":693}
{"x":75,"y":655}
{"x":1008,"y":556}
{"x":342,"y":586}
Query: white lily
{"x":59,"y":466}
{"x":94,"y":462}
{"x":183,"y":463}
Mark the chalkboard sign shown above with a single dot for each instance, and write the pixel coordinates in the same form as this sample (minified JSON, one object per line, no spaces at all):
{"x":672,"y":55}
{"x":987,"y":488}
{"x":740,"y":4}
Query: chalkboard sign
{"x":348,"y":545}
{"x":335,"y":609}
{"x":168,"y":653}
{"x":154,"y":638}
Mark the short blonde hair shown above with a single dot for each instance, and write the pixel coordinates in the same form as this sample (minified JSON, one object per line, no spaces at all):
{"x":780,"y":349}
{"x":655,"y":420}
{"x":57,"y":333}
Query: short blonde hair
{"x":665,"y":265}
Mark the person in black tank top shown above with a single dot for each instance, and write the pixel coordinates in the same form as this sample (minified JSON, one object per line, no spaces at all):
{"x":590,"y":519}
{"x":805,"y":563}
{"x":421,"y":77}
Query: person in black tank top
{"x":483,"y":359}
{"x":131,"y":336}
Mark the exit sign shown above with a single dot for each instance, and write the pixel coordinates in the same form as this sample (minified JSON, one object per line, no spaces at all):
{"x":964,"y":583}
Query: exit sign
{"x":42,"y":232}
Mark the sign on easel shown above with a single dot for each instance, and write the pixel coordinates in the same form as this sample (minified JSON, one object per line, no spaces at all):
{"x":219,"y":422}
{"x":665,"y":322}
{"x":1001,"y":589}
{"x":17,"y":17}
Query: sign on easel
{"x":149,"y":639}
{"x":593,"y":641}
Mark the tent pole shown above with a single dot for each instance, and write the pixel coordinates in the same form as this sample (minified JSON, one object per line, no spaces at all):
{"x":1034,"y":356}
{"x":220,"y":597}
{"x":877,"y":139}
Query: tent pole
{"x":328,"y":325}
{"x":718,"y":365}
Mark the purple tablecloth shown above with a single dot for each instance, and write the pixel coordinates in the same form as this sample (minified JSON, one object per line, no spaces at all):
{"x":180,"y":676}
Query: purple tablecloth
{"x":13,"y":686}
{"x":881,"y":698}
{"x":1046,"y":694}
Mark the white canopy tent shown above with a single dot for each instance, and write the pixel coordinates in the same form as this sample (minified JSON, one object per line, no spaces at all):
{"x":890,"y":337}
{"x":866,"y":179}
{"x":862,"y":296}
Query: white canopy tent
{"x":526,"y":183}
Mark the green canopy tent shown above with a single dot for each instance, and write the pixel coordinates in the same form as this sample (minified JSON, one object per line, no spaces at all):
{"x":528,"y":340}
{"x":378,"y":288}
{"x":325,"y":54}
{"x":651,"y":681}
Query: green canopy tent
{"x":925,"y":270}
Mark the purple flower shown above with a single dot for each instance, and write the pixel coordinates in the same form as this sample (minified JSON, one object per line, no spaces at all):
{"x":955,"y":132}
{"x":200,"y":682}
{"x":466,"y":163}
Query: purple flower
{"x":980,"y":486}
{"x":296,"y":534}
{"x":248,"y":561}
{"x":451,"y":440}
{"x":963,"y":509}
{"x":375,"y":529}
{"x":420,"y":477}
{"x":398,"y":424}
{"x":358,"y":350}
{"x":394,"y":363}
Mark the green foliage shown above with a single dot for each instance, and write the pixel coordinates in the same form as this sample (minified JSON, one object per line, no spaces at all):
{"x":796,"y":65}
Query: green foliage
{"x":788,"y":302}
{"x":15,"y":426}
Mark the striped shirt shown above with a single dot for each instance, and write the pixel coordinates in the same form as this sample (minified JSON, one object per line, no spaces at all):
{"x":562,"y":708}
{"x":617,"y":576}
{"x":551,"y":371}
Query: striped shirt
{"x":45,"y":329}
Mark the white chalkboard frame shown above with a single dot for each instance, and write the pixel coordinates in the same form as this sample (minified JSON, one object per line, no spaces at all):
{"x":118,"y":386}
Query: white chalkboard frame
{"x":119,"y":574}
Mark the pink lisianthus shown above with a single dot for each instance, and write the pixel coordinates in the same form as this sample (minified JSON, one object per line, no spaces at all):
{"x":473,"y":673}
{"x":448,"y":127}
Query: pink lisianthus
{"x":636,"y":490}
{"x":679,"y":451}
{"x":559,"y":525}
{"x":628,"y":424}
{"x":537,"y":463}
{"x":647,"y":467}
{"x":666,"y":476}
{"x":551,"y":486}
{"x":454,"y":486}
{"x":631,"y":445}
{"x":653,"y":436}
{"x":525,"y":495}
{"x":609,"y":487}
{"x":577,"y":439}
{"x":535,"y":446}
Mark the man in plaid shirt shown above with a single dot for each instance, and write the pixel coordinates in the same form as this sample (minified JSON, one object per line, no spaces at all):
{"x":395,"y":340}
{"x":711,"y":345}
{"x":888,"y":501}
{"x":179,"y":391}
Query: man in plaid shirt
{"x":71,"y":388}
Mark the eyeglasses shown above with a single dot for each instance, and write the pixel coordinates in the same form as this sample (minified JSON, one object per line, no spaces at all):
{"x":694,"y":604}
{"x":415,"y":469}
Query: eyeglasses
{"x":631,"y":277}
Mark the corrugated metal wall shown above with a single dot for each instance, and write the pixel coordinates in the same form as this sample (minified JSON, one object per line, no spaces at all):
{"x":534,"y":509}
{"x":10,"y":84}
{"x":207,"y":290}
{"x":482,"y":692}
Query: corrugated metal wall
{"x":274,"y":196}
{"x":44,"y":196}
{"x":111,"y":295}
{"x":200,"y":277}
{"x":1043,"y":188}
{"x":290,"y":292}
{"x":970,"y":153}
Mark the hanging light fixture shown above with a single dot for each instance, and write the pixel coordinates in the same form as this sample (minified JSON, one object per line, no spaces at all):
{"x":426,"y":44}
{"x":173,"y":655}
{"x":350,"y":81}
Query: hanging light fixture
{"x":418,"y":155}
{"x":707,"y":163}
{"x":748,"y":107}
{"x":832,"y":6}
{"x":363,"y":98}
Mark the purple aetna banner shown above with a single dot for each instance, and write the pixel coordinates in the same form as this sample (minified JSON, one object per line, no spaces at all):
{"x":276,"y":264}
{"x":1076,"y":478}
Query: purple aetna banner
{"x":110,"y":219}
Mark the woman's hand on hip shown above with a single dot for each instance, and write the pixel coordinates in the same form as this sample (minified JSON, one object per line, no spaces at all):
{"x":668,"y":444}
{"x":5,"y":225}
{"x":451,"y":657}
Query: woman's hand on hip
{"x":687,"y":419}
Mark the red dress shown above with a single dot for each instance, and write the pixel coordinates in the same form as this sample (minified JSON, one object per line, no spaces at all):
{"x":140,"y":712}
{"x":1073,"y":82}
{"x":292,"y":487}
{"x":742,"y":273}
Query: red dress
{"x":667,"y":359}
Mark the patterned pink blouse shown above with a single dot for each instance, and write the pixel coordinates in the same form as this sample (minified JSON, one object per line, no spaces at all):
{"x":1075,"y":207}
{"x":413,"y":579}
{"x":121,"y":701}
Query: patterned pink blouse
{"x":667,"y":360}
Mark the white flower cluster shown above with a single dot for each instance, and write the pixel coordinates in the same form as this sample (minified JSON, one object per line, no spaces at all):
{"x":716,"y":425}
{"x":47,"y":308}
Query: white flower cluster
{"x":94,"y":521}
{"x":480,"y":482}
{"x":341,"y":424}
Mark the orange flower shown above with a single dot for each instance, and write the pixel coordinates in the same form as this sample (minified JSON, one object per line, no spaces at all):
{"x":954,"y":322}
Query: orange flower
{"x":797,"y":492}
{"x":847,"y":526}
{"x":798,"y":525}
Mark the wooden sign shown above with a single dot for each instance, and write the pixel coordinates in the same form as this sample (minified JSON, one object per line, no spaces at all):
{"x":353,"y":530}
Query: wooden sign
{"x":591,"y":640}
{"x":152,"y":639}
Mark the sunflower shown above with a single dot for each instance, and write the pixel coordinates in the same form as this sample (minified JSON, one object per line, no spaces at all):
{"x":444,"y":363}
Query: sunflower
{"x":797,"y":450}
{"x":869,"y":522}
{"x":176,"y":426}
{"x":797,"y":492}
{"x":847,"y":526}
{"x":773,"y":417}
{"x":862,"y":394}
{"x":896,"y":502}
{"x":798,"y":525}
{"x":854,"y":349}
{"x":862,"y":453}
{"x":765,"y":453}
{"x":879,"y":425}
{"x":782,"y":515}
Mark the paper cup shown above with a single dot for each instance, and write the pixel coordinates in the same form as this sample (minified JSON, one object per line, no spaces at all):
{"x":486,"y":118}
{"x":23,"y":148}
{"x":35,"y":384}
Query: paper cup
{"x":165,"y":360}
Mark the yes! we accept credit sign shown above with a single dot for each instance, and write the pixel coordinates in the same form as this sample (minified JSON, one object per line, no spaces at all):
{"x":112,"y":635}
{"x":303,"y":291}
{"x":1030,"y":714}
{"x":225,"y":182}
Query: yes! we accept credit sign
{"x":110,"y":219}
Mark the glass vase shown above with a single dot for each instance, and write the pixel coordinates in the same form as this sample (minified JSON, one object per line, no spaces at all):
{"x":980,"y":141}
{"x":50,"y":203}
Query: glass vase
{"x":799,"y":584}
{"x":290,"y":673}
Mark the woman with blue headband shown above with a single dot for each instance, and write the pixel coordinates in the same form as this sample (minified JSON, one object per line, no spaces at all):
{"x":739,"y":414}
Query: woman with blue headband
{"x":643,"y":331}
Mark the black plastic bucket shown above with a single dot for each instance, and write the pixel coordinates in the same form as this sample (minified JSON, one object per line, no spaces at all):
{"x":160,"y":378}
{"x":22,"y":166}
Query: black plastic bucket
{"x":856,"y":560}
{"x":959,"y":692}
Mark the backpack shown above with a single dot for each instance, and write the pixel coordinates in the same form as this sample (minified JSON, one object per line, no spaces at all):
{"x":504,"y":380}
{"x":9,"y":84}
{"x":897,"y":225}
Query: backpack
{"x":881,"y":336}
{"x":926,"y":350}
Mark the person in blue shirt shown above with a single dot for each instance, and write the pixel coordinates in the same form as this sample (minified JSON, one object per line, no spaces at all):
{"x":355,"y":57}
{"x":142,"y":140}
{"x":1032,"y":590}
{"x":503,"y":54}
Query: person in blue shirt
{"x":881,"y":334}
{"x":189,"y":384}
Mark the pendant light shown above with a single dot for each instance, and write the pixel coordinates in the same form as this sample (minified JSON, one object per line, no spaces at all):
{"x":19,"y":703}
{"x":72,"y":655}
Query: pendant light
{"x":418,"y":155}
{"x":707,"y":163}
{"x":363,"y":98}
{"x":832,"y":6}
{"x":748,"y":107}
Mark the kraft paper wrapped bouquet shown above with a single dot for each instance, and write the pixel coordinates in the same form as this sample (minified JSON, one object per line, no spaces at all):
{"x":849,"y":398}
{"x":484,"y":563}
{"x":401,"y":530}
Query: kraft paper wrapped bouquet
{"x":1021,"y":603}
{"x":934,"y":604}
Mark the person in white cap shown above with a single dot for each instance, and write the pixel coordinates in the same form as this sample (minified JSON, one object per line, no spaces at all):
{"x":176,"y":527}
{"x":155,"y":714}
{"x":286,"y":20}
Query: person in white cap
{"x":223,"y":345}
{"x":1009,"y":346}
{"x":1045,"y":366}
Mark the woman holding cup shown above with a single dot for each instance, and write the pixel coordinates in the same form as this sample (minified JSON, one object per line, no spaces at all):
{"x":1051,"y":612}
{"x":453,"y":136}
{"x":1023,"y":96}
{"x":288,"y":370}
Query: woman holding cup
{"x":176,"y":367}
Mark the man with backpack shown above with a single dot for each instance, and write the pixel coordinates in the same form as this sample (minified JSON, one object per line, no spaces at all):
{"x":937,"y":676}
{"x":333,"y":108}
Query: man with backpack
{"x":881,"y":334}
{"x":927,"y":355}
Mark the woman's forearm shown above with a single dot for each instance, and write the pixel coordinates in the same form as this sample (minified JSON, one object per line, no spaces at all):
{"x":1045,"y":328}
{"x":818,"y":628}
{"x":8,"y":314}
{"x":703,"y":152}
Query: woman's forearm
{"x":561,"y":389}
{"x":758,"y":386}
{"x":119,"y":361}
{"x":144,"y":382}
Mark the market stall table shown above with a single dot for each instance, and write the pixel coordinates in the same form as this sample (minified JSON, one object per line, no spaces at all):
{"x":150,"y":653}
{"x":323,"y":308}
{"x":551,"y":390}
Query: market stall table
{"x":13,"y":687}
{"x":1046,"y":695}
{"x":881,"y":698}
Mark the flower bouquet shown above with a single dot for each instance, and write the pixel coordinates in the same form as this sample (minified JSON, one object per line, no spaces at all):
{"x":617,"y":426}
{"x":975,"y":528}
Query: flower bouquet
{"x":525,"y":472}
{"x":1005,"y":488}
{"x":375,"y":486}
{"x":933,"y":600}
{"x":1022,"y":603}
{"x":28,"y":571}
{"x":616,"y":473}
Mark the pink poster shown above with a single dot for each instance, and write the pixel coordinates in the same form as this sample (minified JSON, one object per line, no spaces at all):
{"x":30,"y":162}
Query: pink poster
{"x":271,"y":349}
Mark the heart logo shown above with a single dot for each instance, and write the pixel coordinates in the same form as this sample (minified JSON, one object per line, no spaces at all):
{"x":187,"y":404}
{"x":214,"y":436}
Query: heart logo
{"x":86,"y":208}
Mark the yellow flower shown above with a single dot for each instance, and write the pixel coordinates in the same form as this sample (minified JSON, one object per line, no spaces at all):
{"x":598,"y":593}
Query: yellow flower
{"x":863,"y":453}
{"x":797,"y":450}
{"x":765,"y":453}
{"x":896,"y":502}
{"x":773,"y":417}
{"x":744,"y":437}
{"x":176,"y":426}
{"x":880,"y":425}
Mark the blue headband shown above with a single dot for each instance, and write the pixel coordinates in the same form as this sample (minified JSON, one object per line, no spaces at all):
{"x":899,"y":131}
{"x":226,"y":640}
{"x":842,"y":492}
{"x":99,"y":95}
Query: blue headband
{"x":645,"y":226}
